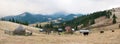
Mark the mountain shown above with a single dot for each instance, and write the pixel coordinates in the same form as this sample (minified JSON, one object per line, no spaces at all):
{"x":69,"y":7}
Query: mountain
{"x":5,"y":25}
{"x":71,"y":16}
{"x":28,"y":17}
{"x":59,"y":14}
{"x":35,"y":18}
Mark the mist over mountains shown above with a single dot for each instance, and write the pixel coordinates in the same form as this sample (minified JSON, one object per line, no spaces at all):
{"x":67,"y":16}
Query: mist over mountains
{"x":35,"y":18}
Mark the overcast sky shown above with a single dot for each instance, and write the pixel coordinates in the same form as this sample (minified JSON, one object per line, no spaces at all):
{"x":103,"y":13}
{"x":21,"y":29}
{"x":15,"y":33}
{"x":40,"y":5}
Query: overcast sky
{"x":15,"y":7}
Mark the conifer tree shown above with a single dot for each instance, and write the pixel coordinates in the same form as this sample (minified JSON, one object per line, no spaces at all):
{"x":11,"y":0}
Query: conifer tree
{"x":37,"y":25}
{"x":108,"y":14}
{"x":114,"y":19}
{"x":2,"y":19}
{"x":12,"y":20}
{"x":25,"y":23}
{"x":40,"y":26}
{"x":92,"y":22}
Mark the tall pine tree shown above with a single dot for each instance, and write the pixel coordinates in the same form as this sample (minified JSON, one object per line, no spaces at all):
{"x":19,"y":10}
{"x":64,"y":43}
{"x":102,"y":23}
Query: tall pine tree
{"x":92,"y":22}
{"x":114,"y":19}
{"x":37,"y":25}
{"x":40,"y":26}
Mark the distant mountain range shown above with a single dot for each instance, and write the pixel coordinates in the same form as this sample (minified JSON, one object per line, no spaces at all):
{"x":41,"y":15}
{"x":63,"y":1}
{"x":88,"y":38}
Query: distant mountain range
{"x":35,"y":18}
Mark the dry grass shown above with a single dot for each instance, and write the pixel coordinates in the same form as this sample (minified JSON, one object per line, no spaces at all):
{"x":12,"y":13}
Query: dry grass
{"x":94,"y":38}
{"x":108,"y":37}
{"x":4,"y":25}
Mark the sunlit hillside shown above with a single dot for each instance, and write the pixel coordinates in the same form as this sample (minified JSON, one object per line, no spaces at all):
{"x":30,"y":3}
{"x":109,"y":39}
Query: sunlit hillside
{"x":95,"y":37}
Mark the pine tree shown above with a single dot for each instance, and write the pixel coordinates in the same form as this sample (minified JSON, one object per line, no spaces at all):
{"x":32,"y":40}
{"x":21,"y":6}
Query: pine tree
{"x":40,"y":26}
{"x":76,"y":28}
{"x":26,"y":23}
{"x":13,"y":20}
{"x":2,"y":19}
{"x":51,"y":25}
{"x":114,"y":19}
{"x":114,"y":16}
{"x":47,"y":26}
{"x":10,"y":20}
{"x":37,"y":25}
{"x":108,"y":14}
{"x":16,"y":21}
{"x":92,"y":22}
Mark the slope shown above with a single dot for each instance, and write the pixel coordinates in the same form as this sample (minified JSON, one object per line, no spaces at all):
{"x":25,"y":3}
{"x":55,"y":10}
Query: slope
{"x":5,"y":25}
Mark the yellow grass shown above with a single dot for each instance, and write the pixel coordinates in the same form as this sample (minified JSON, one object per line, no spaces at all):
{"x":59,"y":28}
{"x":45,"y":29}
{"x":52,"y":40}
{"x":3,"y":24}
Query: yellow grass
{"x":94,"y":38}
{"x":38,"y":38}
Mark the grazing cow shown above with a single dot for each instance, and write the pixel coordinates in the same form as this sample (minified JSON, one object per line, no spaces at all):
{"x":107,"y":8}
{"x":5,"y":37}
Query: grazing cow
{"x":85,"y":32}
{"x":101,"y":31}
{"x":113,"y":31}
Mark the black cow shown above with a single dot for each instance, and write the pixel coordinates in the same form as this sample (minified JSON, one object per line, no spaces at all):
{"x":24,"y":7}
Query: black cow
{"x":101,"y":31}
{"x":85,"y":33}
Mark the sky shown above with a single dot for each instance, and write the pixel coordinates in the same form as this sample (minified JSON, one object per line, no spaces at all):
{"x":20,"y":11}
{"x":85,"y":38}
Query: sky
{"x":16,"y":7}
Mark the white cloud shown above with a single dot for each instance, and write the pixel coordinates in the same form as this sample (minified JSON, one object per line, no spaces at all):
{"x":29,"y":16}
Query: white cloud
{"x":15,"y":7}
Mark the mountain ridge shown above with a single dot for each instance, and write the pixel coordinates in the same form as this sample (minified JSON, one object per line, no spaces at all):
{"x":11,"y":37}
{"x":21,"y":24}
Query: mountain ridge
{"x":33,"y":18}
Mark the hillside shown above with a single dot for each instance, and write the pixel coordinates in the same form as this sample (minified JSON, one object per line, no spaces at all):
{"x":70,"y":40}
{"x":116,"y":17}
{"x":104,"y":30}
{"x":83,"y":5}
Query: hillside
{"x":96,"y":19}
{"x":44,"y":23}
{"x":5,"y":25}
{"x":94,"y":38}
{"x":89,"y":19}
{"x":116,"y":11}
{"x":103,"y":21}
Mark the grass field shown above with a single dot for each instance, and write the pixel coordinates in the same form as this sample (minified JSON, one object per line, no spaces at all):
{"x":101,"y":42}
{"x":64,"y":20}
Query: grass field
{"x":94,"y":38}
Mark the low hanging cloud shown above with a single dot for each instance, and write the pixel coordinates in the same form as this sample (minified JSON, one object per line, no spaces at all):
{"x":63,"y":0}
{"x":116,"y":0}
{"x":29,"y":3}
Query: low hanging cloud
{"x":15,"y":7}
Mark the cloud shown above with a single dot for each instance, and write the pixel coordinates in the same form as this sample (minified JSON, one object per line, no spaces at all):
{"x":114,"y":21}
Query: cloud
{"x":15,"y":7}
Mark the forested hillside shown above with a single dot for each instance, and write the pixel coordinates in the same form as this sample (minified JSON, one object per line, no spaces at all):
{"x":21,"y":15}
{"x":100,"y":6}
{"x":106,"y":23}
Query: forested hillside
{"x":88,"y":19}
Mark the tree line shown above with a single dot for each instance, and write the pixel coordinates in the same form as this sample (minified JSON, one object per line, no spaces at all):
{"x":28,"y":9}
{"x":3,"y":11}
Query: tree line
{"x":15,"y":21}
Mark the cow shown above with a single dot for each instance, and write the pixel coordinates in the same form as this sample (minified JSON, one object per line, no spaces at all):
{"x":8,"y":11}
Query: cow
{"x":101,"y":31}
{"x":85,"y":32}
{"x":113,"y":30}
